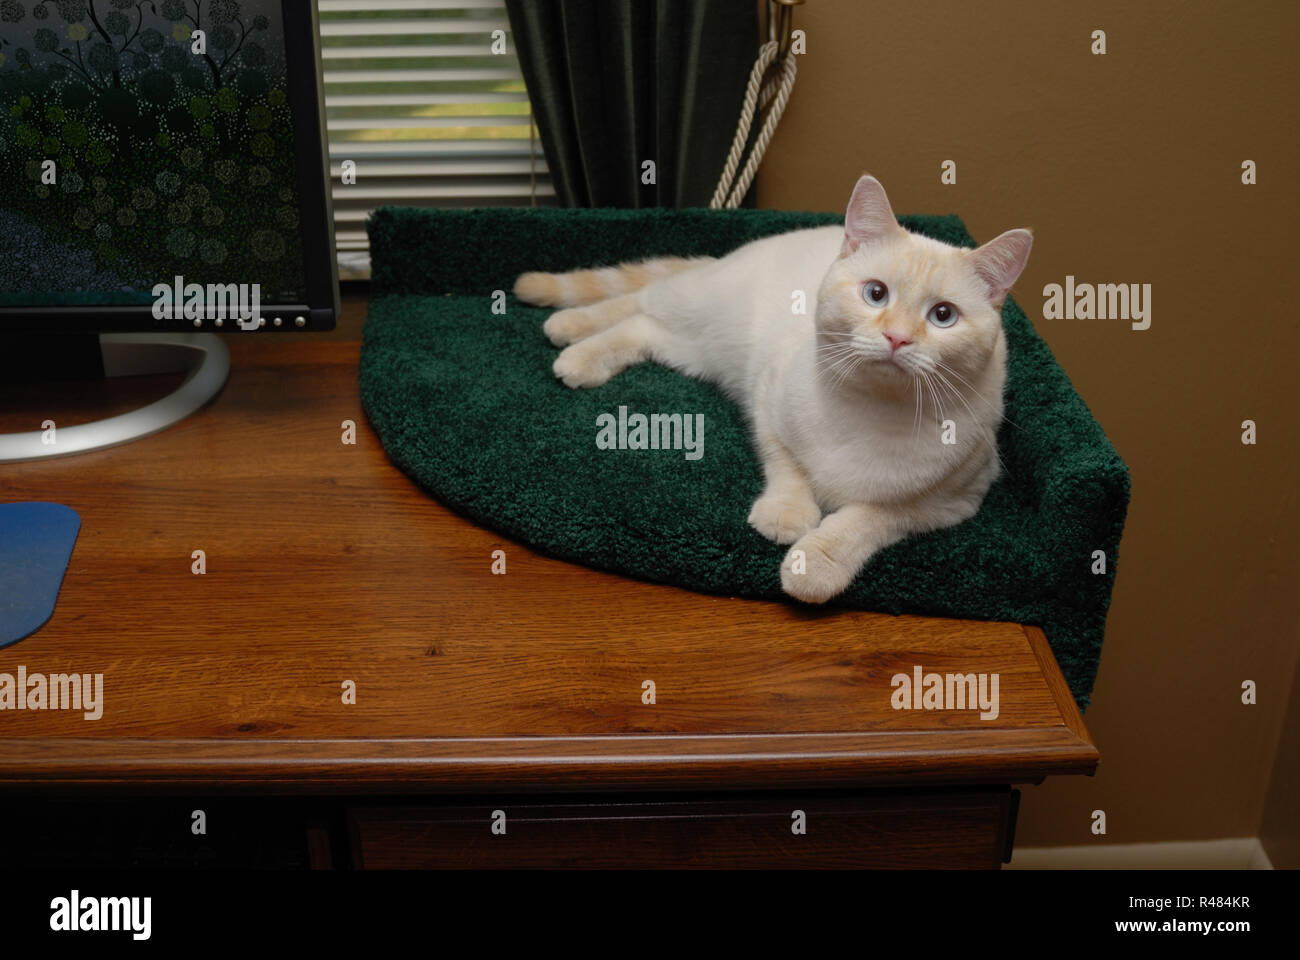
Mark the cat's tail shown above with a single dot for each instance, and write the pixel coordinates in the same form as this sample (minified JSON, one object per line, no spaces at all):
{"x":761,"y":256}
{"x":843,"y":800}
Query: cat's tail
{"x":579,"y":287}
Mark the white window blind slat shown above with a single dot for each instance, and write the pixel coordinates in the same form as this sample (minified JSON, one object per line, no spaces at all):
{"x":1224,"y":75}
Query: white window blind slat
{"x":462,"y":189}
{"x":343,"y":101}
{"x":413,"y":123}
{"x":439,"y":167}
{"x":428,"y":114}
{"x":431,"y":148}
{"x":401,"y":51}
{"x":397,"y":28}
{"x":457,"y":75}
{"x":381,"y":6}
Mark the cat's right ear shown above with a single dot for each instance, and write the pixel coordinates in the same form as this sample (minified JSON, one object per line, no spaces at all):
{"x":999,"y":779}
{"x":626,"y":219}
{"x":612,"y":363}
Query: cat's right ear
{"x":869,"y":217}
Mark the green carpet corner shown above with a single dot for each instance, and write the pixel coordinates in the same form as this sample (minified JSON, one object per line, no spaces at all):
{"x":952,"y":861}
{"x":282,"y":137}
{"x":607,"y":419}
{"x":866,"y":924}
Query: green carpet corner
{"x":464,"y":402}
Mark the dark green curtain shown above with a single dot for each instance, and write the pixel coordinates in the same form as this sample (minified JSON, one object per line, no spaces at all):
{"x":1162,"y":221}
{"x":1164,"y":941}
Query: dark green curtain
{"x":614,"y":83}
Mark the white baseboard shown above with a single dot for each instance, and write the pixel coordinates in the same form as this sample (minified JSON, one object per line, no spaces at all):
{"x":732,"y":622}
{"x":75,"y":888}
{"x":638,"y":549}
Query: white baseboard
{"x":1239,"y":853}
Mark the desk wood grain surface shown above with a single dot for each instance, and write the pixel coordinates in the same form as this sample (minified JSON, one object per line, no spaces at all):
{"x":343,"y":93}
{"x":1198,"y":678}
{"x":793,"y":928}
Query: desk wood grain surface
{"x":325,"y":564}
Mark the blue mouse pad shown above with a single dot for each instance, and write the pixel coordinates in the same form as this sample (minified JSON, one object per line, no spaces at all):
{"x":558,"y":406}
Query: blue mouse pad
{"x":35,"y":545}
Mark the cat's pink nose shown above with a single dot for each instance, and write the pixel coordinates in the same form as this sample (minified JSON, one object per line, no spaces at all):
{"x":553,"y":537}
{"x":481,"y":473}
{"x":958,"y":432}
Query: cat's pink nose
{"x":897,"y":339}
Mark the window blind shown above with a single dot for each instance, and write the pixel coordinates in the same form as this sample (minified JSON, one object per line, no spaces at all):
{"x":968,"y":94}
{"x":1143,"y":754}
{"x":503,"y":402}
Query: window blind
{"x":416,"y":98}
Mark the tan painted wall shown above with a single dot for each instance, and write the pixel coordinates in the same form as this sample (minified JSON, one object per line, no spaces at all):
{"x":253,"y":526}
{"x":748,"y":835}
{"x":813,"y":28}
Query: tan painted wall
{"x":1128,"y":167}
{"x":1279,"y":831}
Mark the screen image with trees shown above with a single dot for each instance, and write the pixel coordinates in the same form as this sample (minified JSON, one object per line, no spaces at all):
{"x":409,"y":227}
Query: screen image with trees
{"x":141,"y":140}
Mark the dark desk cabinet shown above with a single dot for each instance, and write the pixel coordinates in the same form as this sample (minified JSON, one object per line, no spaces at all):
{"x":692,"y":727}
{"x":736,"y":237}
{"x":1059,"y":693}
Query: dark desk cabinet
{"x":965,"y":828}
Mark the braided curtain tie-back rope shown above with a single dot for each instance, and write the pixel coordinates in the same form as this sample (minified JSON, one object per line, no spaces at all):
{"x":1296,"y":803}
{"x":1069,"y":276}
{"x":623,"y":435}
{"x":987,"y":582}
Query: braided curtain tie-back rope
{"x":766,"y":54}
{"x":783,"y":86}
{"x":770,"y":87}
{"x":778,"y":92}
{"x":770,"y":121}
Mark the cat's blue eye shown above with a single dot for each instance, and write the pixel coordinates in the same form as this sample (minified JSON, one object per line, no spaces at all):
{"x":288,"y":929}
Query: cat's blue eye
{"x":942,"y":315}
{"x":875,"y":293}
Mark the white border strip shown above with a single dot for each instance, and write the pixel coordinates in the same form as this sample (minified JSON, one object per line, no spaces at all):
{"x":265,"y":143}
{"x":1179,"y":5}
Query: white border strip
{"x":1240,"y":853}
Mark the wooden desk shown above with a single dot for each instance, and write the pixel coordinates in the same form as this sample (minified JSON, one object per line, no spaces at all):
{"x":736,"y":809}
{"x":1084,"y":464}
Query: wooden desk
{"x":478,"y":692}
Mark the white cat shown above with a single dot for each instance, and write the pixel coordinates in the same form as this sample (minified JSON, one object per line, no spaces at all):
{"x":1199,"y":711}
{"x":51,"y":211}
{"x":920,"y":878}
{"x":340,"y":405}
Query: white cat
{"x":874,"y":419}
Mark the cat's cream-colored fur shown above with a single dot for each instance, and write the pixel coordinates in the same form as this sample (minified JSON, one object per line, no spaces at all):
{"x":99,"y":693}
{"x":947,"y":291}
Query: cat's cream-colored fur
{"x":850,"y":406}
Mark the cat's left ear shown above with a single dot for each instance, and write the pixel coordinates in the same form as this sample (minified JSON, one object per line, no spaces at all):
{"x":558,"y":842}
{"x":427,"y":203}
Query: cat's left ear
{"x":1000,"y":262}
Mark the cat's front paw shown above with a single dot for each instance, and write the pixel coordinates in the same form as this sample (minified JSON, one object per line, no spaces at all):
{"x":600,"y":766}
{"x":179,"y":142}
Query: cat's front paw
{"x":811,"y":574}
{"x":784,"y":517}
{"x":579,"y":366}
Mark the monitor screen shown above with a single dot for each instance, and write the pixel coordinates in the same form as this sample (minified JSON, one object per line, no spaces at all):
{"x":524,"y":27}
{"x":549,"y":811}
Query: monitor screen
{"x":152,"y":144}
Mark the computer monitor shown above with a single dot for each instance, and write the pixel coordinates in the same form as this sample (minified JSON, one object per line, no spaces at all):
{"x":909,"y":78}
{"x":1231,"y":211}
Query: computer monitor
{"x":165,"y":177}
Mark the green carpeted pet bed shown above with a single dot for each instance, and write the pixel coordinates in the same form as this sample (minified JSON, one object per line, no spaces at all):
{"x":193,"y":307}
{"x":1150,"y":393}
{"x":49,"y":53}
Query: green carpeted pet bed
{"x":464,"y":401}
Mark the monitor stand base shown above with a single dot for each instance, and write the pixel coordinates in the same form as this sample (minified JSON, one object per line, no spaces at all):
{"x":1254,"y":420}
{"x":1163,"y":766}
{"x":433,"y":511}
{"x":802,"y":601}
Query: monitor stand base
{"x":203,"y":357}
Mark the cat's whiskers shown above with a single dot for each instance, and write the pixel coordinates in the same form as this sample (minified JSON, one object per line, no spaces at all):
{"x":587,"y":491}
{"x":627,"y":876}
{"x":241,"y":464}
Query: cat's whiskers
{"x":935,"y":403}
{"x":840,"y":360}
{"x":846,"y":369}
{"x":835,"y":348}
{"x":992,"y":406}
{"x":916,"y":417}
{"x":828,"y":356}
{"x":831,"y":361}
{"x":948,"y":388}
{"x":841,"y":343}
{"x":836,"y":362}
{"x":991,"y":438}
